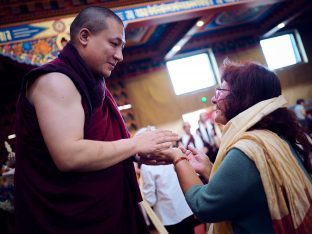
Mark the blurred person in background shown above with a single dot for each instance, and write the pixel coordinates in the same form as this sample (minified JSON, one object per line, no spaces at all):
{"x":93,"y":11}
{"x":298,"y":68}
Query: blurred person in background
{"x":302,"y":115}
{"x":189,"y":139}
{"x":207,"y":132}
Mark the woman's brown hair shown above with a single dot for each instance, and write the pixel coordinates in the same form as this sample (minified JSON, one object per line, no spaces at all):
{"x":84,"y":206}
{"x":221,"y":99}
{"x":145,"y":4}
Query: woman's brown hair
{"x":251,"y":83}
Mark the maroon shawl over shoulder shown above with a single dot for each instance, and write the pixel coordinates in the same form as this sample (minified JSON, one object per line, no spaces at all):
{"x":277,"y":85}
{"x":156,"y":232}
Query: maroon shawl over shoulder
{"x":50,"y":201}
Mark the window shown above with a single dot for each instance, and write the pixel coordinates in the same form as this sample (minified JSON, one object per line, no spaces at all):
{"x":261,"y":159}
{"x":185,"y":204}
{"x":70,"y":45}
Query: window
{"x":284,"y":50}
{"x":192,"y":73}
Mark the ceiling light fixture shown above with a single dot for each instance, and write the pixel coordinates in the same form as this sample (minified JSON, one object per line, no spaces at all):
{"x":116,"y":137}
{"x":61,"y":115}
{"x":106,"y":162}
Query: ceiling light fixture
{"x":124,"y":107}
{"x":281,"y":25}
{"x":11,"y":136}
{"x":200,"y":23}
{"x":176,"y":48}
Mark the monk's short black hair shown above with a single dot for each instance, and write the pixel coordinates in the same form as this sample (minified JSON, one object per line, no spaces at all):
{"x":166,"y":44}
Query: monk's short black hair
{"x":92,"y":18}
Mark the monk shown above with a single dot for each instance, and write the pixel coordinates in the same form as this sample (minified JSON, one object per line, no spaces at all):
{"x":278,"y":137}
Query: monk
{"x":74,"y":170}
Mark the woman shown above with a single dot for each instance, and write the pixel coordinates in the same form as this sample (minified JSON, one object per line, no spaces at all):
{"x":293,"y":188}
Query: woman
{"x":259,"y":182}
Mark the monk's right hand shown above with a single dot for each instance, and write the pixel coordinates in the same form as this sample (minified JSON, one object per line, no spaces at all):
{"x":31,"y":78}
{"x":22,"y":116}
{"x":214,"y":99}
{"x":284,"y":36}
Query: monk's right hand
{"x":150,"y":142}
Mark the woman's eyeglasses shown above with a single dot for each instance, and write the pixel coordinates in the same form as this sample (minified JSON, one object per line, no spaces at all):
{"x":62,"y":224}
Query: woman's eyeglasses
{"x":219,"y":91}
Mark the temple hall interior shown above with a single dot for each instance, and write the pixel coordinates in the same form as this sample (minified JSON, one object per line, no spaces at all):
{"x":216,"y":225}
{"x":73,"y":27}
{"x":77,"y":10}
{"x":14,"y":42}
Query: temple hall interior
{"x":171,"y":61}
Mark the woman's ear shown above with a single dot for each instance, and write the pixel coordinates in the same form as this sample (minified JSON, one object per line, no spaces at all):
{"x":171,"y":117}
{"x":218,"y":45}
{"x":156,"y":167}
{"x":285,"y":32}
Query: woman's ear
{"x":84,"y":36}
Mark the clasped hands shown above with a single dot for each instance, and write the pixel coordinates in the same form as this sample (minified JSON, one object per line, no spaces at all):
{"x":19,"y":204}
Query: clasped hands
{"x":156,"y":148}
{"x":197,"y":158}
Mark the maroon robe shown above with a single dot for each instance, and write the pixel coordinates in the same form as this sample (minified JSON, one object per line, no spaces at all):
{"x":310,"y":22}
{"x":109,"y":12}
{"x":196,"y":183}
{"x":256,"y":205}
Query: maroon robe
{"x":50,"y":201}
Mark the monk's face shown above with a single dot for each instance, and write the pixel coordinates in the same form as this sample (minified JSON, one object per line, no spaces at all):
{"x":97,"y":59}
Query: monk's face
{"x":104,"y":49}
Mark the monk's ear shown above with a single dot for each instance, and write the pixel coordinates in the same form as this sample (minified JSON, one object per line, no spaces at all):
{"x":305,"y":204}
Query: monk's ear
{"x":84,"y":36}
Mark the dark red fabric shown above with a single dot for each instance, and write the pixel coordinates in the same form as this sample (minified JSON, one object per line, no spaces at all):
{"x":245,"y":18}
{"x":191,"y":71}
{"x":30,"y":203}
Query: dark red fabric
{"x":190,"y":141}
{"x":50,"y":201}
{"x":285,"y":225}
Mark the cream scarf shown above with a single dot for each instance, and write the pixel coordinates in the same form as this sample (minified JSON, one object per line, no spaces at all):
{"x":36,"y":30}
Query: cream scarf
{"x":279,"y":170}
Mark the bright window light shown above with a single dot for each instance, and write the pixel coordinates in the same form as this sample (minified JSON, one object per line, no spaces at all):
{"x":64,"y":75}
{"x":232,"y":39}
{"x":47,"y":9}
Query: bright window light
{"x":280,"y":51}
{"x":192,"y":118}
{"x":191,"y":73}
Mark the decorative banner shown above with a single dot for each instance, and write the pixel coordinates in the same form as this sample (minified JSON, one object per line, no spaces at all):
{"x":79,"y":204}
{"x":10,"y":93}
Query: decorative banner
{"x":27,"y":32}
{"x":167,"y":8}
{"x":19,"y":33}
{"x":35,"y":44}
{"x":39,"y":43}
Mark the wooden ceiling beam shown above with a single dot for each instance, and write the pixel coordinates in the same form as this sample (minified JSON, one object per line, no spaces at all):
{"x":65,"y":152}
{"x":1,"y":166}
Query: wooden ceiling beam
{"x":140,"y":55}
{"x":184,"y":40}
{"x":206,"y":16}
{"x":211,"y":39}
{"x":173,"y":34}
{"x":196,"y":13}
{"x":264,"y":29}
{"x":290,"y":12}
{"x":11,"y":11}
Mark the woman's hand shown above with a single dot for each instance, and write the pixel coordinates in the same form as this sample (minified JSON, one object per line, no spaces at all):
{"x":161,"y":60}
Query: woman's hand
{"x":170,"y":154}
{"x":199,"y":161}
{"x":162,"y":157}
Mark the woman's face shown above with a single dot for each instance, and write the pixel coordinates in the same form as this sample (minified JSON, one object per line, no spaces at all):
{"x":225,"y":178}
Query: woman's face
{"x":218,"y":100}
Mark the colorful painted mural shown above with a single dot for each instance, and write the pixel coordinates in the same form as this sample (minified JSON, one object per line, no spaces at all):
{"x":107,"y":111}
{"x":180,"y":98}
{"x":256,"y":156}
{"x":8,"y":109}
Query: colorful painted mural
{"x":34,"y":52}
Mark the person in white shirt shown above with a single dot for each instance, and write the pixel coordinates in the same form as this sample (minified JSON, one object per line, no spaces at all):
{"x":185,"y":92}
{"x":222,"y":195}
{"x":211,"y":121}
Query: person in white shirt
{"x":207,"y":133}
{"x":189,"y":139}
{"x":162,"y":191}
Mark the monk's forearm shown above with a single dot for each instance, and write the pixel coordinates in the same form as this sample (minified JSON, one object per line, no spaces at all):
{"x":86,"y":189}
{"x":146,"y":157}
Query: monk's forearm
{"x":89,"y":155}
